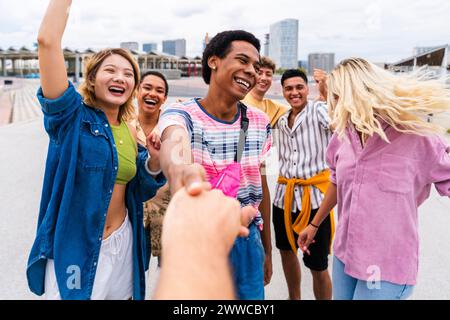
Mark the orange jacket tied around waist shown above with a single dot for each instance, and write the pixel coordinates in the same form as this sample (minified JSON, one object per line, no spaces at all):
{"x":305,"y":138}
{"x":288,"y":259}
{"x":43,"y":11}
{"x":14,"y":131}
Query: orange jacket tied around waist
{"x":321,"y":182}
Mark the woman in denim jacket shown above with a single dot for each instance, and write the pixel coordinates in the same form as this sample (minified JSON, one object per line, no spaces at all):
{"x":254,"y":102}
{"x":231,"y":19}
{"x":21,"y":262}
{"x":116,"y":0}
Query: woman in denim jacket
{"x":90,"y":241}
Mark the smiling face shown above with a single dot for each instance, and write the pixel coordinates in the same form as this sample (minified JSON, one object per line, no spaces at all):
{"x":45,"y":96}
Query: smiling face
{"x":264,"y":81}
{"x":236,"y":73}
{"x":151,"y":94}
{"x":296,"y":91}
{"x":114,"y":81}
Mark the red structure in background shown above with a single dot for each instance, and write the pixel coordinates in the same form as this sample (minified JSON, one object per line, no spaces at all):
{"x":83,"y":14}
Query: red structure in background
{"x":190,"y":67}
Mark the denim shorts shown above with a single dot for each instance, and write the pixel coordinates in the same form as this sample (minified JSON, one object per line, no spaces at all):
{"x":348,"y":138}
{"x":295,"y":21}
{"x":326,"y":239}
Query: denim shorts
{"x":346,"y":287}
{"x":247,"y":263}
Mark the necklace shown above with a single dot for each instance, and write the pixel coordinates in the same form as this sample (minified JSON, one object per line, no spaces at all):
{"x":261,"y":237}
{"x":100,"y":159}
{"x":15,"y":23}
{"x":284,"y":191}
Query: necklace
{"x":117,"y":134}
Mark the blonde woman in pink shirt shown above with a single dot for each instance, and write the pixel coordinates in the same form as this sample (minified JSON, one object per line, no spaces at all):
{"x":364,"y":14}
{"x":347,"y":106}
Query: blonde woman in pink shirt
{"x":383,"y":158}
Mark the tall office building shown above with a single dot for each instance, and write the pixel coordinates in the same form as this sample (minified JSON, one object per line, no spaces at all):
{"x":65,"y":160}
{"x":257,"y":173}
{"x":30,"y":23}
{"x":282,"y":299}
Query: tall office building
{"x":283,"y":44}
{"x":175,"y":47}
{"x":152,"y":46}
{"x":130,"y":46}
{"x":205,"y":41}
{"x":266,"y":44}
{"x":303,"y":64}
{"x":324,"y":61}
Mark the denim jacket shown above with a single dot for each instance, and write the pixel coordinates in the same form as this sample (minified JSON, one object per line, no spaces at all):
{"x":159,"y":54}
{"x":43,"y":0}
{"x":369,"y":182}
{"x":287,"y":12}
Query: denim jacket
{"x":80,"y":174}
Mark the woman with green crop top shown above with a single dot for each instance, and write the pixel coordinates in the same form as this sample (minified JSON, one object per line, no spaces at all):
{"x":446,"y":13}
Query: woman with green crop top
{"x":90,"y":237}
{"x":126,"y":153}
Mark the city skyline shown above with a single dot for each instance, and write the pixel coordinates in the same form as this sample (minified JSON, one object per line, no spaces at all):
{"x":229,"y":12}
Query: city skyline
{"x":176,"y":47}
{"x":149,"y":46}
{"x":381,"y":31}
{"x":283,"y":43}
{"x":324,"y":61}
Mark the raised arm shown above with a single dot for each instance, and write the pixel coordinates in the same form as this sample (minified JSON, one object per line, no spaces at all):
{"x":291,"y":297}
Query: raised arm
{"x":51,"y":58}
{"x":320,"y":77}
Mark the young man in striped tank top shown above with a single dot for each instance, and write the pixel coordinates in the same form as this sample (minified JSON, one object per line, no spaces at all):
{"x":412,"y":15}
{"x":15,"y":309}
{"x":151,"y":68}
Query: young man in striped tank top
{"x":303,"y":135}
{"x":200,"y":140}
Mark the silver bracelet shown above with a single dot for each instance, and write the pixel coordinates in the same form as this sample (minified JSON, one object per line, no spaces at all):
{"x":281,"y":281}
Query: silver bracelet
{"x":153,"y":173}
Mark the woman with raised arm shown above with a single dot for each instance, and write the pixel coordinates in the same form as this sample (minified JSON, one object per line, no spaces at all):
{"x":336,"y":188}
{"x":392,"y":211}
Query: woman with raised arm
{"x":383,"y":159}
{"x":90,"y":241}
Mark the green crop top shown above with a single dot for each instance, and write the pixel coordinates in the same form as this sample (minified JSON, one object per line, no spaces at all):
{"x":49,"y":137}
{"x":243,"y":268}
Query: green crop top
{"x":126,"y":152}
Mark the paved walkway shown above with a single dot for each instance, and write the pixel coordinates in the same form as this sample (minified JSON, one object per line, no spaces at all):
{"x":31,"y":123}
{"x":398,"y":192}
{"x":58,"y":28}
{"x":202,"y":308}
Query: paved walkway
{"x":21,"y":172}
{"x":18,"y":102}
{"x":5,"y":107}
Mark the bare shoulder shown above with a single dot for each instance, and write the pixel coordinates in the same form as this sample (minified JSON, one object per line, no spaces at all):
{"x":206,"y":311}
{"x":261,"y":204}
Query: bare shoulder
{"x":133,"y":130}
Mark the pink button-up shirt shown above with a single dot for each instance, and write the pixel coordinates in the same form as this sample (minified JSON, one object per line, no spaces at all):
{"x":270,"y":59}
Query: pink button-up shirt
{"x":379,"y":188}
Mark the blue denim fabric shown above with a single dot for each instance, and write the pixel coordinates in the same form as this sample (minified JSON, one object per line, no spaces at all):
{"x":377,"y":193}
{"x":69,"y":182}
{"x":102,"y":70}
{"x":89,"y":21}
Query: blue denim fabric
{"x":247,"y":262}
{"x":346,"y":287}
{"x":79,"y":178}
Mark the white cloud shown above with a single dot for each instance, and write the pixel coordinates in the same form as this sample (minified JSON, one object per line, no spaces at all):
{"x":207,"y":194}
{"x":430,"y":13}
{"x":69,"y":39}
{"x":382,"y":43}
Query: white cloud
{"x":380,"y":30}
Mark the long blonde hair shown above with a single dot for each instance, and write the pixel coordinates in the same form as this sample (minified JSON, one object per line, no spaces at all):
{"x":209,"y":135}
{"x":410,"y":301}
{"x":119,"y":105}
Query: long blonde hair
{"x":127,"y":110}
{"x":363,"y":94}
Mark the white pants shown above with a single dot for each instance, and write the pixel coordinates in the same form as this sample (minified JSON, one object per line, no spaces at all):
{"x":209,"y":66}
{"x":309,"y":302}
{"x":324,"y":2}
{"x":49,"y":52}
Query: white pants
{"x":114,"y":275}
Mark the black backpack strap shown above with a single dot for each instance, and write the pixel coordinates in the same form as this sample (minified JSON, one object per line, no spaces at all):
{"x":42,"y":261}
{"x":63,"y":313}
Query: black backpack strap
{"x":242,"y":132}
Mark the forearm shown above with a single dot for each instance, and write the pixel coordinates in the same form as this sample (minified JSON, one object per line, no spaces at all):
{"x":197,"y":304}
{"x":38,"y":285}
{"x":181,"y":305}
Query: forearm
{"x":165,"y":158}
{"x":324,"y":94}
{"x":328,"y":203}
{"x":264,"y":208}
{"x":51,"y":58}
{"x":321,"y":98}
{"x":194,"y":273}
{"x":154,"y":164}
{"x":54,"y":23}
{"x":175,"y":151}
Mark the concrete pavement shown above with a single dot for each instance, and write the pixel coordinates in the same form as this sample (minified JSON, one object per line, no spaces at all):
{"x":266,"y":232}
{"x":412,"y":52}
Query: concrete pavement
{"x":22,"y":162}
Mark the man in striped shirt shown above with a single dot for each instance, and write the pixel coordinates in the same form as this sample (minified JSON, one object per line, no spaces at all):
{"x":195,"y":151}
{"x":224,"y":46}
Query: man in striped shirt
{"x":303,"y":136}
{"x":207,"y":131}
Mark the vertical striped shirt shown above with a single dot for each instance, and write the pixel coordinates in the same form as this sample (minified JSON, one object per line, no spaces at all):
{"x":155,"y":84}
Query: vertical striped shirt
{"x":214,"y":144}
{"x":302,"y":151}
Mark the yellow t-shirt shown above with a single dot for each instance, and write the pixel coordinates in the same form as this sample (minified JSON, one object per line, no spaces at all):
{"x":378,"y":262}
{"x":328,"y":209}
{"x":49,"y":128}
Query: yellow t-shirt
{"x":274,"y":110}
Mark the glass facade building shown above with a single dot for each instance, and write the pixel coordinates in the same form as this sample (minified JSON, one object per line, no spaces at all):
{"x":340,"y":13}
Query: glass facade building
{"x":283,"y":44}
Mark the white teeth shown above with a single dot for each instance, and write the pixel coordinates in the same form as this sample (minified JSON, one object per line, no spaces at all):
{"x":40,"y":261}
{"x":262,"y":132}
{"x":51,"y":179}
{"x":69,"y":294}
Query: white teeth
{"x":117,"y":89}
{"x":150,"y":101}
{"x":245,"y":83}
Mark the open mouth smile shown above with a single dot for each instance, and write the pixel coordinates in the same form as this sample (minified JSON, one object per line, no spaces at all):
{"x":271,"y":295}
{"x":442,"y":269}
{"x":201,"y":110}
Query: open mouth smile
{"x":150,"y":102}
{"x":117,"y":91}
{"x":243,"y":83}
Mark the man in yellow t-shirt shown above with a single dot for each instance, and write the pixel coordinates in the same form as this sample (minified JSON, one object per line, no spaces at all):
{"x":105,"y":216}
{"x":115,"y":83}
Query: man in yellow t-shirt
{"x":274,"y":110}
{"x":255,"y":98}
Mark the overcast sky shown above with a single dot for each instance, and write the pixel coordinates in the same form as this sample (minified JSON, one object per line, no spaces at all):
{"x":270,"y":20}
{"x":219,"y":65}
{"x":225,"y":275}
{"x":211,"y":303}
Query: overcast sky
{"x":378,"y":30}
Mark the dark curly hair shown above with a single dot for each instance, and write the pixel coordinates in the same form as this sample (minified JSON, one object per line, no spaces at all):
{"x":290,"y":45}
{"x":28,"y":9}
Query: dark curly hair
{"x":220,"y":46}
{"x":291,"y":73}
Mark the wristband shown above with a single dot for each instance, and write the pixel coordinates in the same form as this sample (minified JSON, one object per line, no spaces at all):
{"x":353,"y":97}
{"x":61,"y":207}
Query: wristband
{"x":312,"y":224}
